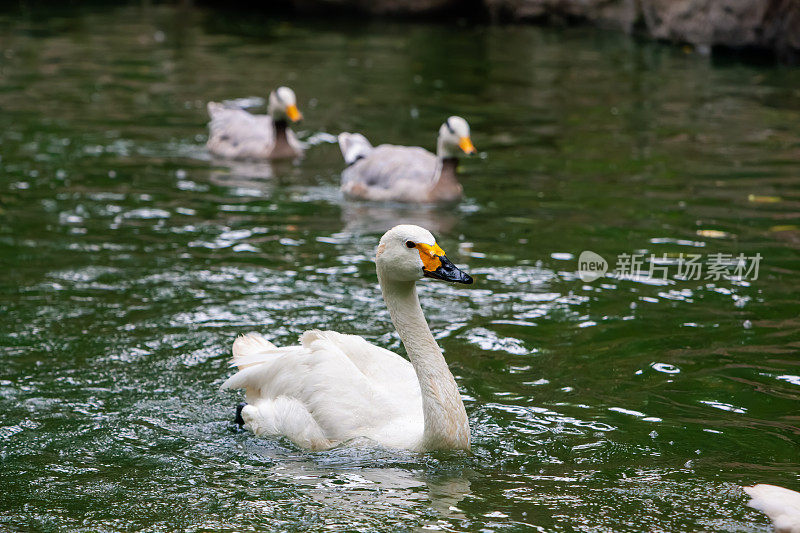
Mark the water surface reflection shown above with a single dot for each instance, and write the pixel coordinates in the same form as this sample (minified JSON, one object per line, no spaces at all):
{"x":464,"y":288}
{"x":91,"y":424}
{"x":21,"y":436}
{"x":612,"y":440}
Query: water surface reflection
{"x":131,"y":260}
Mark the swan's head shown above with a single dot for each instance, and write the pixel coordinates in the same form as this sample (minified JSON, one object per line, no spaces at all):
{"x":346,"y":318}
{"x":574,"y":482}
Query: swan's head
{"x":283,"y":105}
{"x":454,"y":138}
{"x":407,"y":253}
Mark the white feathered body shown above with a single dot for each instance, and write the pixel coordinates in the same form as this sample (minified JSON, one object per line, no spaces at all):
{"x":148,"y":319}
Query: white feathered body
{"x":781,"y":505}
{"x":330,"y":389}
{"x":394,"y":173}
{"x":391,"y":173}
{"x":236,"y":134}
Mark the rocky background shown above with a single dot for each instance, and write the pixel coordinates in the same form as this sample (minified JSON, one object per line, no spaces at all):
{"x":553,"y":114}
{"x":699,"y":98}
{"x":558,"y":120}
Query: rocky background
{"x":754,"y":25}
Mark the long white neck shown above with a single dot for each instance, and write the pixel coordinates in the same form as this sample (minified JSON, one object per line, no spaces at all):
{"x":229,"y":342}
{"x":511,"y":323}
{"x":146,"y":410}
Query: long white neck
{"x":446,"y":424}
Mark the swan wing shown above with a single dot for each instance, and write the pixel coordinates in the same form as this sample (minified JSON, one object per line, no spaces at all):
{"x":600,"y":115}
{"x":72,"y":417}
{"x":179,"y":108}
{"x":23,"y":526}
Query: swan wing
{"x":781,"y":505}
{"x":377,"y":364}
{"x":235,"y":133}
{"x":389,"y":172}
{"x":330,"y":389}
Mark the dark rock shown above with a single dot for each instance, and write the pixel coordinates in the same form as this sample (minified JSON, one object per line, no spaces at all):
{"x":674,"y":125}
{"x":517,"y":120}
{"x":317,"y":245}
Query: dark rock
{"x":767,"y":24}
{"x":772,"y":25}
{"x":737,"y":24}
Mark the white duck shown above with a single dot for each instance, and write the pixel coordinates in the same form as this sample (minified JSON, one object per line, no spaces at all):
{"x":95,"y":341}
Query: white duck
{"x":406,"y":173}
{"x":334,"y":388}
{"x":236,"y":134}
{"x":781,"y":505}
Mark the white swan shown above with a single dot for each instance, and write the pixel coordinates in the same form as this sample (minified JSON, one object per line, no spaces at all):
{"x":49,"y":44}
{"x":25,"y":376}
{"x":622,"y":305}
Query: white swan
{"x":236,"y":134}
{"x":405,"y":173}
{"x":781,"y":505}
{"x":334,"y":387}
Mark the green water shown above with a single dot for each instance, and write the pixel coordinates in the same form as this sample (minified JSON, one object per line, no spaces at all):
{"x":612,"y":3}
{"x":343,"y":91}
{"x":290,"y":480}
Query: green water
{"x":130,"y":261}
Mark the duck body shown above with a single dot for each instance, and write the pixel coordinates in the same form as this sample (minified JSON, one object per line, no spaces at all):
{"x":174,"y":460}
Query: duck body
{"x":781,"y":505}
{"x":406,"y":174}
{"x":409,"y":174}
{"x":335,"y":388}
{"x":236,"y":134}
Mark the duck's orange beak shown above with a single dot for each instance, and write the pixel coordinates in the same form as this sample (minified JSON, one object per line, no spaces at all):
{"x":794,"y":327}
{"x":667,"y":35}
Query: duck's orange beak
{"x":430,"y":255}
{"x":465,"y":143}
{"x":294,"y":113}
{"x":436,"y":265}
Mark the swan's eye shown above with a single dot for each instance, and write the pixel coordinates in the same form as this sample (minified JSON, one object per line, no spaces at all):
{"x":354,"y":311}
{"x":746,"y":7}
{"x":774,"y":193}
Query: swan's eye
{"x":410,"y":244}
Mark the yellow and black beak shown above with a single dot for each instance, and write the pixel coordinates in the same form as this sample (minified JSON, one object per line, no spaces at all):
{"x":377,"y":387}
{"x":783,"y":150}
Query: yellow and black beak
{"x":465,"y":143}
{"x":294,"y":113}
{"x":437,"y":266}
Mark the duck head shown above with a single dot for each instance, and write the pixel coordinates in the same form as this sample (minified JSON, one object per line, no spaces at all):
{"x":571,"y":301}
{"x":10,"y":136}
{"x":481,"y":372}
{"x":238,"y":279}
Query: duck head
{"x":454,"y":138}
{"x":283,"y":105}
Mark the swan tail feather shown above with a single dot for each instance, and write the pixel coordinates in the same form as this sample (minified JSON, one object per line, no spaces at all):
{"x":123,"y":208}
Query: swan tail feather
{"x":250,"y":349}
{"x":256,"y":369}
{"x":354,"y":146}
